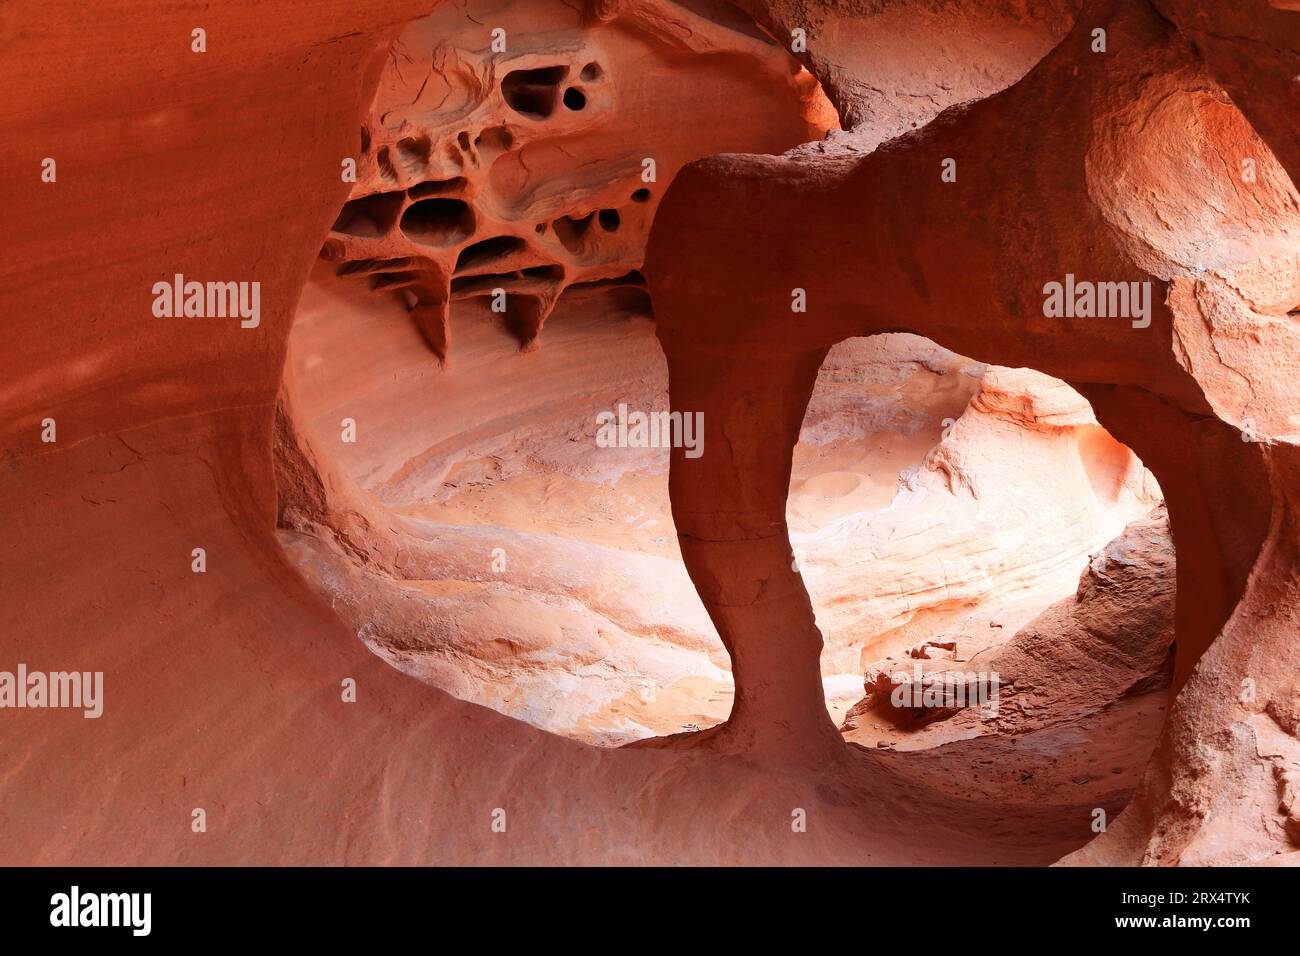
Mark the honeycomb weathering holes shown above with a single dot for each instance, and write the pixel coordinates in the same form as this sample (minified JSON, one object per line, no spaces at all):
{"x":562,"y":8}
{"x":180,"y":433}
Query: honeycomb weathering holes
{"x":495,"y":139}
{"x":533,"y":93}
{"x":436,"y":187}
{"x":572,"y":231}
{"x":413,"y":153}
{"x":487,"y":251}
{"x":438,"y":221}
{"x":369,"y":217}
{"x":508,"y":170}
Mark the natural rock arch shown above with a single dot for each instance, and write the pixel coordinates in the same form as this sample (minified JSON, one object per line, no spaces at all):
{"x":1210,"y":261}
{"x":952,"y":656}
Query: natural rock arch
{"x":1049,"y":183}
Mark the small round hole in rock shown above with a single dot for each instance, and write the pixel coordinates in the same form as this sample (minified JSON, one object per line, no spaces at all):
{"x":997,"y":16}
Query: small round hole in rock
{"x":495,"y":139}
{"x":574,"y":98}
{"x":532,"y":92}
{"x":609,"y":220}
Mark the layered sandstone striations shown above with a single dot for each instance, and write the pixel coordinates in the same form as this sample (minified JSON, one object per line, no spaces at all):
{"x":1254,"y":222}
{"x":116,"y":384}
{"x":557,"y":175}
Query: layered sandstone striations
{"x":222,"y":688}
{"x":511,"y":560}
{"x":1107,"y":646}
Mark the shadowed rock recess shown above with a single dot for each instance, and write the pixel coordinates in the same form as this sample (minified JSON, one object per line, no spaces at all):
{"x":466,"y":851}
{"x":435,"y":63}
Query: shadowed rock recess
{"x":769,"y":432}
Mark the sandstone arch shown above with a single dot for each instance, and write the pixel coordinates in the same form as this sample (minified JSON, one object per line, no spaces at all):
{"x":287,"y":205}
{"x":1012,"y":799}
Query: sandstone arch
{"x":915,"y":254}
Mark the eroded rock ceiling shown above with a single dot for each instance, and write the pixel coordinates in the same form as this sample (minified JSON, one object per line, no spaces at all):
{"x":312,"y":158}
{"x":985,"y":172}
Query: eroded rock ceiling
{"x":516,"y":151}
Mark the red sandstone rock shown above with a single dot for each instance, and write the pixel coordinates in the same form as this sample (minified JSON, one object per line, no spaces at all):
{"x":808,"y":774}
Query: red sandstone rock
{"x":1110,"y":642}
{"x":222,"y":688}
{"x":515,"y":575}
{"x":1119,"y":181}
{"x":521,"y":159}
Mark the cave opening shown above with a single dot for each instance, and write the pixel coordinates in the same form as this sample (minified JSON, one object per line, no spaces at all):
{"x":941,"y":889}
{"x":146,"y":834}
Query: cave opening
{"x":471,"y":454}
{"x":947,"y":517}
{"x":993,"y":575}
{"x":956,"y":525}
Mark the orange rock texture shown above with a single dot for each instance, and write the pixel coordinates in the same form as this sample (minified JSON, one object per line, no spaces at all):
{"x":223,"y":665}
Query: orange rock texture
{"x":990,"y":312}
